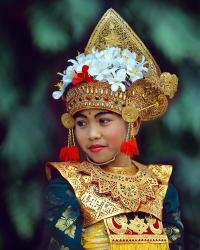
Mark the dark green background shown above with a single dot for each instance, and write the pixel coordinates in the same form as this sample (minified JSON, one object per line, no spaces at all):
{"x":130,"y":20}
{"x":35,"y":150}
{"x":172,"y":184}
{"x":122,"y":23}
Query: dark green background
{"x":36,"y":39}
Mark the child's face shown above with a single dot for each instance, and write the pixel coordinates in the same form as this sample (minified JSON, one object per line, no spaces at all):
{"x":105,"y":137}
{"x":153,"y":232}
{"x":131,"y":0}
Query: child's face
{"x":100,"y":133}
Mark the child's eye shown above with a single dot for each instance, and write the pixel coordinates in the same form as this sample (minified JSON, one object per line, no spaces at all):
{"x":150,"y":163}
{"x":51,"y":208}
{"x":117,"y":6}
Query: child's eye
{"x":104,"y":121}
{"x":81,"y":123}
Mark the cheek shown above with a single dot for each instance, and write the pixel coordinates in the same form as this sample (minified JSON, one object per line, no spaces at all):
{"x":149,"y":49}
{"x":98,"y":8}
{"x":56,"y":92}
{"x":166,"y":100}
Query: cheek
{"x":116,"y":134}
{"x":79,"y":134}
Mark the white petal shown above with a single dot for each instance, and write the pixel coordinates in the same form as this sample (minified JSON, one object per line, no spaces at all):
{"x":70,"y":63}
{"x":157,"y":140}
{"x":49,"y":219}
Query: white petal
{"x":145,"y":69}
{"x":80,"y":58}
{"x":136,"y":77}
{"x":72,"y":61}
{"x":57,"y":94}
{"x":121,"y":75}
{"x":100,"y":77}
{"x":123,"y":88}
{"x":114,"y":87}
{"x":66,"y":80}
{"x":93,"y":71}
{"x":139,"y":75}
{"x":79,"y":68}
{"x":131,"y":64}
{"x":69,"y":70}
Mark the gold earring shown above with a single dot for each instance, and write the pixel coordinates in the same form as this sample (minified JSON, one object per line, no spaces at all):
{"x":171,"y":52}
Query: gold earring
{"x":69,"y":152}
{"x":129,"y":147}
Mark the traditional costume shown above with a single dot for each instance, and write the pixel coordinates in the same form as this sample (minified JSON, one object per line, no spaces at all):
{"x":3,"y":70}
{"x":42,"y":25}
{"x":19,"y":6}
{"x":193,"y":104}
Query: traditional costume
{"x":90,"y":207}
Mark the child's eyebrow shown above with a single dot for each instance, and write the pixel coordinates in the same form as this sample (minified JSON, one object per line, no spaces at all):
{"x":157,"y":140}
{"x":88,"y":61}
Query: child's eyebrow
{"x":96,"y":115}
{"x":102,"y":113}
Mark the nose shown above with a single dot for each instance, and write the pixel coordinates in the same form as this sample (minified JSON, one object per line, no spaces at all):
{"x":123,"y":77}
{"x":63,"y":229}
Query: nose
{"x":93,"y":133}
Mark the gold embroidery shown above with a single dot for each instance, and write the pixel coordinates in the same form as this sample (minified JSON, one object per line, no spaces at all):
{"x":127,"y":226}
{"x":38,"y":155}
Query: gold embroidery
{"x":71,"y":231}
{"x":139,"y":238}
{"x":121,"y":220}
{"x":104,"y":194}
{"x":138,"y":225}
{"x":173,"y":233}
{"x":101,"y":205}
{"x":132,"y":191}
{"x":119,"y":229}
{"x":151,"y":221}
{"x":162,"y":174}
{"x":65,"y":223}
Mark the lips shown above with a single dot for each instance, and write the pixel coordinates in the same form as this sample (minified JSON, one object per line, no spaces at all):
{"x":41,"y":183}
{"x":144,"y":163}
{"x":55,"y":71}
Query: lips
{"x":96,"y":148}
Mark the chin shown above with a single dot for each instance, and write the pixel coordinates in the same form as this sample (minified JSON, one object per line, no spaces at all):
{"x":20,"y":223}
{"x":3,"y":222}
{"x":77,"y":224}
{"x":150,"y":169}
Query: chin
{"x":100,"y":159}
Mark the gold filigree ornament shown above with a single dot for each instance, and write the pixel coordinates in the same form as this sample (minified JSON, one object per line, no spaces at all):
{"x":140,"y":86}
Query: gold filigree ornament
{"x":138,"y":225}
{"x":169,"y":83}
{"x":67,"y":120}
{"x":130,"y":114}
{"x":69,"y":152}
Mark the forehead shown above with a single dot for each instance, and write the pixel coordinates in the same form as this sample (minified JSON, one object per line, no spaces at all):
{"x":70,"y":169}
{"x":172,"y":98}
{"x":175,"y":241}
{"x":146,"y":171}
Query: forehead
{"x":94,"y":112}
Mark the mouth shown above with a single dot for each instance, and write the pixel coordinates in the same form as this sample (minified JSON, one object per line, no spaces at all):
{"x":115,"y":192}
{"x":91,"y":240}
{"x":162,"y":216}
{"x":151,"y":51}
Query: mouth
{"x":96,"y":148}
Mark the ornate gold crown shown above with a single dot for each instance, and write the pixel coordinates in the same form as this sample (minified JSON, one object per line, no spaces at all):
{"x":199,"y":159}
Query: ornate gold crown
{"x":146,"y":97}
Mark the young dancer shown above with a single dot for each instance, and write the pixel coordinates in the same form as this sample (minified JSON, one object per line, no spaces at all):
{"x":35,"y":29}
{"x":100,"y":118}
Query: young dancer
{"x":109,"y":200}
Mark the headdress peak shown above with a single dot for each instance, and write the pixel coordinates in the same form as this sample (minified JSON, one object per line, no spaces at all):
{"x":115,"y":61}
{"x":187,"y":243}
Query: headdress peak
{"x":113,"y":31}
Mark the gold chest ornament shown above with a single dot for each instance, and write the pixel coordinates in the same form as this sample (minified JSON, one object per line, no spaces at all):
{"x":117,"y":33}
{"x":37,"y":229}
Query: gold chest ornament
{"x":108,"y":197}
{"x":102,"y":194}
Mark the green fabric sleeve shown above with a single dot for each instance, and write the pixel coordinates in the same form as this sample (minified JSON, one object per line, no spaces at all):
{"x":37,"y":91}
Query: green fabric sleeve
{"x":62,"y":217}
{"x":172,"y":220}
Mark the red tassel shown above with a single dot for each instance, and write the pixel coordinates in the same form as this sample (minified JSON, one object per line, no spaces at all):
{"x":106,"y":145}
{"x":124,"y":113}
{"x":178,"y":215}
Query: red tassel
{"x":69,"y":154}
{"x":130,"y":148}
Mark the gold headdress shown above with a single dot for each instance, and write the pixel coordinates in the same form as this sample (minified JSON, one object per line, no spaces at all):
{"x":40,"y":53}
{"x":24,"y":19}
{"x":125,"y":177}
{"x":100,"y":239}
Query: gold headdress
{"x":145,"y":95}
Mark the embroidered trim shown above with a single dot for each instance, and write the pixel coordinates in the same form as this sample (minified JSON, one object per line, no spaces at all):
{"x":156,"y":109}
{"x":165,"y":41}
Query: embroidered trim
{"x":119,"y":229}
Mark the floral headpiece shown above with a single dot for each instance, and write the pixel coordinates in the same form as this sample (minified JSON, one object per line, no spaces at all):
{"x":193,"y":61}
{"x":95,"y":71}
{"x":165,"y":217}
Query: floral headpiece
{"x":114,"y":66}
{"x":117,"y":73}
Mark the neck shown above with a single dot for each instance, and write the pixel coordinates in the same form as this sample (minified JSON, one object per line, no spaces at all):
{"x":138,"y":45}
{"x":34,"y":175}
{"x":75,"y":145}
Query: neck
{"x":119,"y":160}
{"x":119,"y":164}
{"x":102,"y":163}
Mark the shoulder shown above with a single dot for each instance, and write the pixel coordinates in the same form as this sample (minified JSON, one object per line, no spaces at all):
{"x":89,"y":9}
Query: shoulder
{"x":64,"y":169}
{"x":161,"y":172}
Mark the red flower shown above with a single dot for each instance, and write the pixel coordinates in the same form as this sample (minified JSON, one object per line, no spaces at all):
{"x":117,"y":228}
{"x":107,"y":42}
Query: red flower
{"x":82,"y":77}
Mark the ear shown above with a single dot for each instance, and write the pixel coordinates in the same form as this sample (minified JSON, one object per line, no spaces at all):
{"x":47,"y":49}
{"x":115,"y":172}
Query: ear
{"x":135,"y":127}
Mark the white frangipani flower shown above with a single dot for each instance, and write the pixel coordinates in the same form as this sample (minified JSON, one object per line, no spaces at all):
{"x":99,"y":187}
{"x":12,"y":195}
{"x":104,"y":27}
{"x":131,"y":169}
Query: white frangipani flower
{"x":81,"y":60}
{"x":112,"y":65}
{"x":98,"y":66}
{"x":57,"y":94}
{"x":68,"y":75}
{"x":141,"y":65}
{"x":115,"y":79}
{"x":127,"y":54}
{"x":105,"y":74}
{"x":134,"y":70}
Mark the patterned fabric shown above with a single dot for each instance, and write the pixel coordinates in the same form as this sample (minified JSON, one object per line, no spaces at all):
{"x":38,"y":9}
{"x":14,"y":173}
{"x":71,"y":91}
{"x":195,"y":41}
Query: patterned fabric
{"x":171,"y":219}
{"x":62,"y":216}
{"x":63,"y":219}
